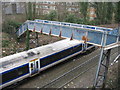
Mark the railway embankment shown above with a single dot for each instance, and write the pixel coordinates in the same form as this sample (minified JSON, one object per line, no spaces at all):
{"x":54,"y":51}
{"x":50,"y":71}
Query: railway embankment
{"x":11,"y":45}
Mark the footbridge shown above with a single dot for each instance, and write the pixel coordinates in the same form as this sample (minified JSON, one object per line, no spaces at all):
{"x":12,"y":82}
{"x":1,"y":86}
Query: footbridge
{"x":106,"y":38}
{"x":94,"y":35}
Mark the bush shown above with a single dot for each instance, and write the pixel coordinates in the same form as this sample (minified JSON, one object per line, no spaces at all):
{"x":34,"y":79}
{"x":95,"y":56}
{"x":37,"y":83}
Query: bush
{"x":71,"y":18}
{"x":51,"y":16}
{"x":5,"y":43}
{"x":80,"y":21}
{"x":10,"y":26}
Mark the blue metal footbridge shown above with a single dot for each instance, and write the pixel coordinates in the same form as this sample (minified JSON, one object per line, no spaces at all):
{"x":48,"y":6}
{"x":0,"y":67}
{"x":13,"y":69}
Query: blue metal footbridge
{"x":106,"y":38}
{"x":94,"y":34}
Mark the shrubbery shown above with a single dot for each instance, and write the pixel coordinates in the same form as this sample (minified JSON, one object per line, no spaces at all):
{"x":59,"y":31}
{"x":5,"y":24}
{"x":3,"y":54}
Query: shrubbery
{"x":5,"y":43}
{"x":10,"y":26}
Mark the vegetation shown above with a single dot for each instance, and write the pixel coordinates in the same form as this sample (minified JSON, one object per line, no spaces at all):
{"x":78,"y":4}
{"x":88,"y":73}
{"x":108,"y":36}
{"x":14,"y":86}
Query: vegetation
{"x":106,"y":13}
{"x":10,"y":26}
{"x":27,"y":40}
{"x":117,"y":12}
{"x":71,"y":18}
{"x":83,"y":9}
{"x":30,"y":15}
{"x":30,"y":10}
{"x":52,"y":16}
{"x":5,"y":43}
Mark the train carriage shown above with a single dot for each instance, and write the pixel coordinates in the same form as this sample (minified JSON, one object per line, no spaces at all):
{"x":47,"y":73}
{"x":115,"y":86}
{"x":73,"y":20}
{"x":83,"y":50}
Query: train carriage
{"x":25,"y":64}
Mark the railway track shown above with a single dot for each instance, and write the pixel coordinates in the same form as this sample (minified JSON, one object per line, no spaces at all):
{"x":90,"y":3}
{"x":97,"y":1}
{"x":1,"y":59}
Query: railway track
{"x":72,"y":74}
{"x":69,"y":76}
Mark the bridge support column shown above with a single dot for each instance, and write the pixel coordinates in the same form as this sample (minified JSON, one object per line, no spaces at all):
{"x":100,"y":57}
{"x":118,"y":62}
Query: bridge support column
{"x":36,"y":39}
{"x":84,"y":46}
{"x":71,"y":37}
{"x":102,"y":70}
{"x":27,"y":39}
{"x":103,"y":64}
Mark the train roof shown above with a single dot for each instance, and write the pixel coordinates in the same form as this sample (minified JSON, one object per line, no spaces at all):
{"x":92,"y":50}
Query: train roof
{"x":42,"y":51}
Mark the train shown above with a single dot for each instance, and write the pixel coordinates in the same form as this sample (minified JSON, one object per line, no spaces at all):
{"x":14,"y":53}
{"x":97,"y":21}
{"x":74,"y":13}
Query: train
{"x":16,"y":67}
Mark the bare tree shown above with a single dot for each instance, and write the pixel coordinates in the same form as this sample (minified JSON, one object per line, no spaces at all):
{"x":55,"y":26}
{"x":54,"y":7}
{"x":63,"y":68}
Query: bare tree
{"x":61,"y":10}
{"x":83,"y":9}
{"x":30,"y":10}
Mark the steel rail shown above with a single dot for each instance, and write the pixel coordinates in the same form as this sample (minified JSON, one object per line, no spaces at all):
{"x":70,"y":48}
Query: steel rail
{"x":77,"y":76}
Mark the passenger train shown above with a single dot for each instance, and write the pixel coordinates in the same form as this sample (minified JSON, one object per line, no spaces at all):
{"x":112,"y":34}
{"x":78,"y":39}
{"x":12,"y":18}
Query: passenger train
{"x":25,"y":64}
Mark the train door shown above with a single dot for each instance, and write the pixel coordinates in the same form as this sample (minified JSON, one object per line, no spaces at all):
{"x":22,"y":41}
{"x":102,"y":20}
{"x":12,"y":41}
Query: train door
{"x":84,"y":46}
{"x":34,"y":66}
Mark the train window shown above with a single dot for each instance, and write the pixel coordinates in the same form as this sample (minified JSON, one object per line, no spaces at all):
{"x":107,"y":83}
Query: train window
{"x":36,"y":64}
{"x":60,"y":55}
{"x":88,"y":45}
{"x":23,"y":70}
{"x":45,"y":61}
{"x":31,"y":66}
{"x":10,"y":75}
{"x":20,"y":72}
